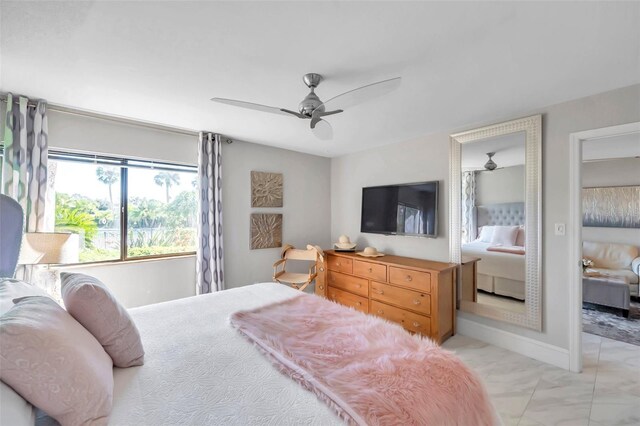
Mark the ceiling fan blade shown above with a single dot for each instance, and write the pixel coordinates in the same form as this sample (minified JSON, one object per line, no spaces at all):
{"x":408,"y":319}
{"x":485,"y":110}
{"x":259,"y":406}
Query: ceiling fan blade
{"x":323,"y":130}
{"x":362,"y":94}
{"x":316,"y":116}
{"x":250,"y":105}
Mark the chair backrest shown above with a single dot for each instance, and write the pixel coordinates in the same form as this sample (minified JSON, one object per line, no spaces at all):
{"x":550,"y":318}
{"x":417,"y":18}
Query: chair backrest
{"x":298,"y":254}
{"x":312,"y":253}
{"x":11,"y":223}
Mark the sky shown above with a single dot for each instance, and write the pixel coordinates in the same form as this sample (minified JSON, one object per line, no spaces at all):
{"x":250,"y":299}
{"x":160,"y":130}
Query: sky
{"x":80,"y":178}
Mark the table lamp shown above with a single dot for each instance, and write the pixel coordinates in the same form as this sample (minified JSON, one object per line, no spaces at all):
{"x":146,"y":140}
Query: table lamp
{"x":49,"y":248}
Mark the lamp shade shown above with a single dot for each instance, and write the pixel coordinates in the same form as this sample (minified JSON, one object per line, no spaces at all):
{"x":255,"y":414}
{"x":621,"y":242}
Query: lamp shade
{"x":49,"y":248}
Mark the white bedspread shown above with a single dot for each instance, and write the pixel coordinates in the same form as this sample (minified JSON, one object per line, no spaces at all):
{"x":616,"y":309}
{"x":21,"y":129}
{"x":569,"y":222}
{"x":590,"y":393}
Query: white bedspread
{"x":497,"y":264}
{"x":200,"y":371}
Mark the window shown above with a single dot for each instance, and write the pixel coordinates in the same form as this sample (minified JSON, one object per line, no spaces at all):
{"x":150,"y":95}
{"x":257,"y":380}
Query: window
{"x":124,"y":209}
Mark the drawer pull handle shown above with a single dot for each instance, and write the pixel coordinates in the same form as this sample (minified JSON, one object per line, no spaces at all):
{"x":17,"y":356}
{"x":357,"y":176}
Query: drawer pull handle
{"x":416,"y":324}
{"x":409,"y":278}
{"x":370,"y":270}
{"x":359,"y":303}
{"x":339,"y":264}
{"x":416,"y":302}
{"x":375,"y":290}
{"x":380,"y":311}
{"x":359,"y":285}
{"x":321,"y":287}
{"x":321,"y":269}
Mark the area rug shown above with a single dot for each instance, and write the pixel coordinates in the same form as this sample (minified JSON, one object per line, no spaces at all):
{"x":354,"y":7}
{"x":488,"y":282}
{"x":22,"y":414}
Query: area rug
{"x":369,"y":371}
{"x":609,"y":322}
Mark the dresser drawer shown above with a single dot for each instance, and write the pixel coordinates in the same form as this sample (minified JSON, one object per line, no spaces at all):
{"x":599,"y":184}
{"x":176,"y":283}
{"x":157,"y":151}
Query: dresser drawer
{"x":409,"y":320}
{"x":370,"y":270}
{"x":350,"y":283}
{"x":348,"y":299}
{"x":407,"y":299}
{"x":340,"y":264}
{"x":413,"y":279}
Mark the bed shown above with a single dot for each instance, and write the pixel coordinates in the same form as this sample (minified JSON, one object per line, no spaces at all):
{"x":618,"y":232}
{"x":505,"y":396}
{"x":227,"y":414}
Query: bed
{"x":201,"y":369}
{"x":225,"y":381}
{"x":498,"y":272}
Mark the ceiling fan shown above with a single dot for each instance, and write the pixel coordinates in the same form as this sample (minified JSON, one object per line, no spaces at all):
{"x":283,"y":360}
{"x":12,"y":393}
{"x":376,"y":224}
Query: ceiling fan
{"x":312,"y":108}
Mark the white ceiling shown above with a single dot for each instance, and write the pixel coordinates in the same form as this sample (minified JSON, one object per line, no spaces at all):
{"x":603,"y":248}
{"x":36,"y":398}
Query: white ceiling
{"x":462,"y":63}
{"x":508,"y":149}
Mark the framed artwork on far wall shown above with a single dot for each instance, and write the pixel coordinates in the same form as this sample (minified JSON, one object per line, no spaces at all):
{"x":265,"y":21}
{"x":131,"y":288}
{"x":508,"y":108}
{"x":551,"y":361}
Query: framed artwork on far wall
{"x":266,"y":230}
{"x":611,"y":207}
{"x":266,"y":189}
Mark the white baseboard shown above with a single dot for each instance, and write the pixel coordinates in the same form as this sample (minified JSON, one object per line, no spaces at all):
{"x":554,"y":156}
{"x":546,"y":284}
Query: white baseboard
{"x":532,"y":348}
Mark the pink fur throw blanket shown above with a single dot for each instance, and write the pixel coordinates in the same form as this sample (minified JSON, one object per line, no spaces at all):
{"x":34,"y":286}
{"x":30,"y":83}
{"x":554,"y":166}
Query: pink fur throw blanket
{"x":507,"y":249}
{"x":368,"y":370}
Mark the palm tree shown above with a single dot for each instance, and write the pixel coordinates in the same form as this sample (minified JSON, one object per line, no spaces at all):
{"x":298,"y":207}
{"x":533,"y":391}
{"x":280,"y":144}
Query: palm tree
{"x":167,"y":180}
{"x":108,"y":176}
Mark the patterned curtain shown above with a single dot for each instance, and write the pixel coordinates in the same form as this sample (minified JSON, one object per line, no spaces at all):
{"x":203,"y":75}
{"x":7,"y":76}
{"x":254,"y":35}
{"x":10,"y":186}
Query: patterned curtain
{"x":24,"y":164}
{"x":24,"y":168}
{"x":210,"y":261}
{"x":467,"y":230}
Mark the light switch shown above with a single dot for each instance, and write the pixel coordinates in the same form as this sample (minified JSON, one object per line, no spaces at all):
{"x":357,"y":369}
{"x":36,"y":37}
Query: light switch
{"x":560,"y":229}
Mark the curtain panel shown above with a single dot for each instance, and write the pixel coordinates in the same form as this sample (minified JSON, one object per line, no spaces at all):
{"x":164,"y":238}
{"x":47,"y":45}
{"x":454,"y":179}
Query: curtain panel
{"x":25,"y":174}
{"x":210,"y":259}
{"x":24,"y":166}
{"x":468,"y":231}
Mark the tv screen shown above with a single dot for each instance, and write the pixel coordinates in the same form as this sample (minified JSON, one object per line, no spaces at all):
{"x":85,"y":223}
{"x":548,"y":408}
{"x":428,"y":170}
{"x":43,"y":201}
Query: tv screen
{"x":407,"y":209}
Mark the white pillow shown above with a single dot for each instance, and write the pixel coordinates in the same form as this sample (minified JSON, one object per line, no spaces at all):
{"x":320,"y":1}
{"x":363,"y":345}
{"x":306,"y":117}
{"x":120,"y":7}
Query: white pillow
{"x":486,"y":234}
{"x":15,"y":410}
{"x":504,"y":235}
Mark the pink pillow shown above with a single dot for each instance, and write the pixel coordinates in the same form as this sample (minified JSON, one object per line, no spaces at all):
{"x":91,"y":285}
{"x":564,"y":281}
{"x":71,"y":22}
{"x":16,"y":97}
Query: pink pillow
{"x":54,"y":363}
{"x":504,"y":235}
{"x":12,"y":289}
{"x":91,"y":303}
{"x":520,"y":238}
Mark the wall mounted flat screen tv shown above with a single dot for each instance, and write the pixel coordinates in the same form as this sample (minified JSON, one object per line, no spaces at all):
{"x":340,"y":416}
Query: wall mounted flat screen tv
{"x":406,"y":209}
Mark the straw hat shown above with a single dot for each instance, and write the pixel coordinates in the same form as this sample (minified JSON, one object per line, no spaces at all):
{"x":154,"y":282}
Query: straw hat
{"x":344,"y":243}
{"x":370,"y":252}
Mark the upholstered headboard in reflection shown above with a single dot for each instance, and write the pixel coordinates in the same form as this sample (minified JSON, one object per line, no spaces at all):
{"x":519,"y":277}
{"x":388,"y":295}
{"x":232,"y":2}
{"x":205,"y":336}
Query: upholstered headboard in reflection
{"x":504,"y":214}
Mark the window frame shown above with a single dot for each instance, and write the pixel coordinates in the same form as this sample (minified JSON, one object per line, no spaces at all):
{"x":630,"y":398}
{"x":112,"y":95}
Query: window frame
{"x":124,"y":164}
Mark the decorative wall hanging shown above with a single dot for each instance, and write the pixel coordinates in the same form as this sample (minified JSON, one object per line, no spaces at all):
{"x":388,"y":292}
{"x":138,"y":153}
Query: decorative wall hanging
{"x":611,"y":207}
{"x":266,"y":230}
{"x":266,"y":189}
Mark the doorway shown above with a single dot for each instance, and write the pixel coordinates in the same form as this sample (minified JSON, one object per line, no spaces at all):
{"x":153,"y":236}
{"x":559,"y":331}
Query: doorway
{"x":575,"y":223}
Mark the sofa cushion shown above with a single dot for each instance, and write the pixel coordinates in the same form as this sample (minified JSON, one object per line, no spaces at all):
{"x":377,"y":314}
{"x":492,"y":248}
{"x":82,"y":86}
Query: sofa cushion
{"x":609,"y":255}
{"x":626,"y":273}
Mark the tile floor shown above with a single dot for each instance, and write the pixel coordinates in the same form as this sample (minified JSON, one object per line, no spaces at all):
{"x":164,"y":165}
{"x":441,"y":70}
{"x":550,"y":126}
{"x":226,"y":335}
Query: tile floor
{"x":527,"y":392}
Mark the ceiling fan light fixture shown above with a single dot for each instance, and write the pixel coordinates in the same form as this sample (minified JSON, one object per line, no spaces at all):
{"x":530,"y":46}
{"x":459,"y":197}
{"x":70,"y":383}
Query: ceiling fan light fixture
{"x":490,"y":164}
{"x":314,"y":109}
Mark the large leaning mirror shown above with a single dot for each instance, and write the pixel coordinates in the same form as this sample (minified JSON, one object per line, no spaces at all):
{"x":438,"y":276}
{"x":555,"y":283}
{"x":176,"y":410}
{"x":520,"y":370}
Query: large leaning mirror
{"x":495,"y":220}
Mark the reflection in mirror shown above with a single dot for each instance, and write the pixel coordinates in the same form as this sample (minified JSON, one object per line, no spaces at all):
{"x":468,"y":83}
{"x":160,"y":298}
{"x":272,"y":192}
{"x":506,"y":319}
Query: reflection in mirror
{"x":492,"y":221}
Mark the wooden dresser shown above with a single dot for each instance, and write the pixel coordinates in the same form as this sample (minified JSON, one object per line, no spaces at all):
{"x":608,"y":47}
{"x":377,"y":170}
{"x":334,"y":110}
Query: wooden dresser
{"x":415,"y":293}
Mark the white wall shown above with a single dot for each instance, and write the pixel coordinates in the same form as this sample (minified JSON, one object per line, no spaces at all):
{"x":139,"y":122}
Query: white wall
{"x":504,"y":185}
{"x":306,"y":206}
{"x":611,"y":173}
{"x":427,"y":158}
{"x":138,"y":283}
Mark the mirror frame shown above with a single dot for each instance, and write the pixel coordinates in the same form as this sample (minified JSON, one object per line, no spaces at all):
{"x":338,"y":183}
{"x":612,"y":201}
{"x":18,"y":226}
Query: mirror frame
{"x":532,"y":126}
